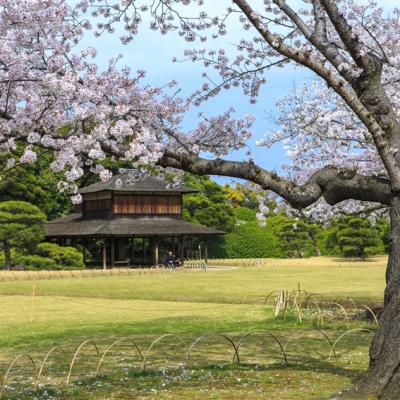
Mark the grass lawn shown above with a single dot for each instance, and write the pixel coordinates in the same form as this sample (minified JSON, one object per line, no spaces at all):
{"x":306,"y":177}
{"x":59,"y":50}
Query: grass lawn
{"x":189,"y":303}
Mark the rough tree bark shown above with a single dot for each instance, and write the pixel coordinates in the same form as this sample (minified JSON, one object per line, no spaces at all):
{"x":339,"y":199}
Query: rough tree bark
{"x":383,"y":376}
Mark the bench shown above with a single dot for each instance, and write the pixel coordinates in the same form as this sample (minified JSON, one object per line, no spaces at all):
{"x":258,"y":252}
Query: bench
{"x":126,"y":262}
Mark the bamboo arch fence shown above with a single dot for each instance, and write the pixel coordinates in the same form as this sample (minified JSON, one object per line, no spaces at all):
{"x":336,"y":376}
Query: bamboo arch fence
{"x":38,"y":368}
{"x":188,"y":265}
{"x":299,"y":302}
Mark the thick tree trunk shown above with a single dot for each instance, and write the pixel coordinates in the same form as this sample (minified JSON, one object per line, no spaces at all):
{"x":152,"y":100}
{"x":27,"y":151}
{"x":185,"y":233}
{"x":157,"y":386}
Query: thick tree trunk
{"x":7,"y":254}
{"x":382,"y":379}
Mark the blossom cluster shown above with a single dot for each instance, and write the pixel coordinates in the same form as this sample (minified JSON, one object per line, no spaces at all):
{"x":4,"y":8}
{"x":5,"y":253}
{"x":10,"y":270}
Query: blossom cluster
{"x":53,"y":95}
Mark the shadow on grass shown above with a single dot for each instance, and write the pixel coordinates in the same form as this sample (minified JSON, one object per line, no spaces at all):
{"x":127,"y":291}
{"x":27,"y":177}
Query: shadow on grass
{"x":192,"y":326}
{"x":353,"y":260}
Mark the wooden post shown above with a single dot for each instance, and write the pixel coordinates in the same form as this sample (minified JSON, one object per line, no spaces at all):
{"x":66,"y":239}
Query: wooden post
{"x":132,"y":251}
{"x":112,"y":251}
{"x":206,"y":250}
{"x":104,"y":253}
{"x":143,"y":251}
{"x":182,"y":248}
{"x":155,"y":251}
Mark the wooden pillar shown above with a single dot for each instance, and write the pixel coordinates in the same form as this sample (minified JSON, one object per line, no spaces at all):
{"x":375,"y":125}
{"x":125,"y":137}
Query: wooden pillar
{"x":182,"y":248}
{"x":155,"y":252}
{"x":206,"y":249}
{"x":143,"y":251}
{"x":104,"y":253}
{"x":112,"y":251}
{"x":132,"y":250}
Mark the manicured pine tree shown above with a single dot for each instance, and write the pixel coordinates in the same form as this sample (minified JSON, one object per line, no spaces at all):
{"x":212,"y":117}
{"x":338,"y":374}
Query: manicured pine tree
{"x":296,"y":240}
{"x":357,"y":238}
{"x":21,"y":225}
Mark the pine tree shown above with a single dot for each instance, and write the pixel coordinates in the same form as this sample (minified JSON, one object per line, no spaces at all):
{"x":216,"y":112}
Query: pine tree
{"x":21,"y":226}
{"x":296,"y":240}
{"x":357,"y":238}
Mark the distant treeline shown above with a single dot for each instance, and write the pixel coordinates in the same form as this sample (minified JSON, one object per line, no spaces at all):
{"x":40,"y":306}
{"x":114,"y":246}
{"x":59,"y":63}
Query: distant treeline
{"x":230,"y":208}
{"x":234,"y":209}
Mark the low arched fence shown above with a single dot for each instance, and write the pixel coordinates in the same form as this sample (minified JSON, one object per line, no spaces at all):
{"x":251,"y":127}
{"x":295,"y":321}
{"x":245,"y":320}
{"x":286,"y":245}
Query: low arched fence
{"x":277,"y":349}
{"x":188,"y":264}
{"x":92,"y":273}
{"x":303,"y":304}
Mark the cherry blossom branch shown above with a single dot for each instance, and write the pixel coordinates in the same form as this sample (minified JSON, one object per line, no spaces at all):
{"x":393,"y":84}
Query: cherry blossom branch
{"x":352,"y":100}
{"x":319,"y":39}
{"x":320,"y":30}
{"x":333,"y":184}
{"x":352,"y":43}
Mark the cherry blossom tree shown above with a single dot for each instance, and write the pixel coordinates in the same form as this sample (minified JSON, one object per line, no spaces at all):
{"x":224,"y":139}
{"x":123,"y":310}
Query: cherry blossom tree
{"x":342,"y":132}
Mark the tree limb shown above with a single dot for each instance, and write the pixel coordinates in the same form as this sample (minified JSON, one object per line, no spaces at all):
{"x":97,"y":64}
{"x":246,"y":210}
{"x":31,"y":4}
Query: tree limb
{"x":357,"y":51}
{"x":331,"y":183}
{"x":318,"y":37}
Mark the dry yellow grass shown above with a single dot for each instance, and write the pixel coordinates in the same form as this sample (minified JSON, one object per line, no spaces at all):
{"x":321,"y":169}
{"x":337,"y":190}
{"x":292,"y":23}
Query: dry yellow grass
{"x":72,"y":308}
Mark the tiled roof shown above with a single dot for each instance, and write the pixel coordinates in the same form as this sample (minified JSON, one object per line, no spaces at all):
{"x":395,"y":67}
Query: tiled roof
{"x":146,"y":184}
{"x":74,"y":226}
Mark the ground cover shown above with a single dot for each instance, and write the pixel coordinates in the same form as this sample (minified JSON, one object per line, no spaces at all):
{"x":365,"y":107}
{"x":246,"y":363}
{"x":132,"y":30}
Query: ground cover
{"x":145,"y":306}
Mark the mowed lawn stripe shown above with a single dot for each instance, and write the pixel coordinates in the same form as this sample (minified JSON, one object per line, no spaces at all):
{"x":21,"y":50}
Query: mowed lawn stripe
{"x":248,"y":285}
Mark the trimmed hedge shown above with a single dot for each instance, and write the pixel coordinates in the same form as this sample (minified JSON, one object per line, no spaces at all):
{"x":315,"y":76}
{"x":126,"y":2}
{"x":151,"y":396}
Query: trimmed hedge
{"x":65,"y":257}
{"x":35,"y":262}
{"x":250,"y":240}
{"x":48,"y":256}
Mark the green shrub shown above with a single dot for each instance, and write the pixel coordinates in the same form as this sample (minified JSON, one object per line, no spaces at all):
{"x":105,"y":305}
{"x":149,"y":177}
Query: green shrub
{"x":47,"y":256}
{"x":65,"y":257}
{"x":21,"y":227}
{"x":35,"y":262}
{"x":243,"y":214}
{"x":250,"y":240}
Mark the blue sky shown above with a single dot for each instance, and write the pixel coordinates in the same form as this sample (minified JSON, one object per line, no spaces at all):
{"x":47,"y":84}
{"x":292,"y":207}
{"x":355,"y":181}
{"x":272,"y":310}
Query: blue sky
{"x":153,"y":53}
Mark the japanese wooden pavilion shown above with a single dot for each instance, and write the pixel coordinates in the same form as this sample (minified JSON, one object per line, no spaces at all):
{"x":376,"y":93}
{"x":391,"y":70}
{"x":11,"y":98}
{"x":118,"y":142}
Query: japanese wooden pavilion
{"x":131,"y":222}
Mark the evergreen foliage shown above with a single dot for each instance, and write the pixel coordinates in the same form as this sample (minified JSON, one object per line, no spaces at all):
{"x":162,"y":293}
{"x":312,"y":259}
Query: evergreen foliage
{"x":35,"y":262}
{"x":35,"y":183}
{"x":231,"y":209}
{"x":45,"y":256}
{"x":21,"y":227}
{"x":243,"y":215}
{"x":251,"y":240}
{"x":296,"y":238}
{"x":65,"y":257}
{"x":356,"y":238}
{"x":209,"y":206}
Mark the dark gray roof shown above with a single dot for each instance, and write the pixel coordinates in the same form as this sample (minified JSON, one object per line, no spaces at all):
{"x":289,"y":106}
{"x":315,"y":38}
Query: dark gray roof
{"x":74,"y":226}
{"x":146,"y":184}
